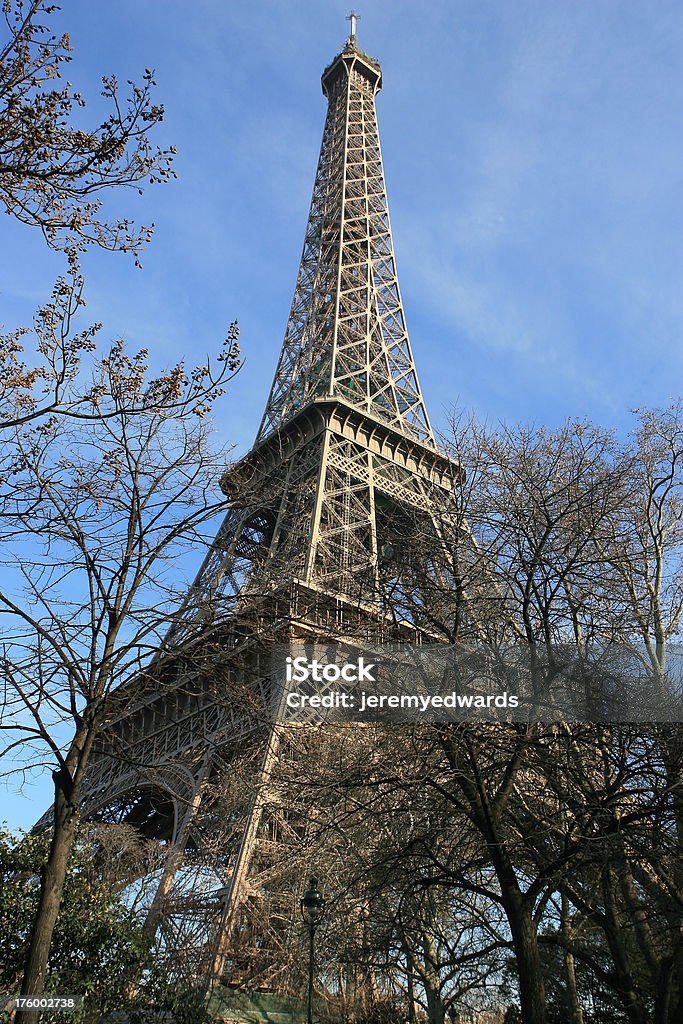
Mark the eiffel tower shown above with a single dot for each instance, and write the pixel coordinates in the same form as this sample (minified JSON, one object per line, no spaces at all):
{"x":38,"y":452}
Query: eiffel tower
{"x":344,"y":462}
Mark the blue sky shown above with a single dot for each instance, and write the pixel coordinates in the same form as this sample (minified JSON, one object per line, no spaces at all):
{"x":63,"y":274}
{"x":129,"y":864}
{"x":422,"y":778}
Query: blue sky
{"x":533,"y":155}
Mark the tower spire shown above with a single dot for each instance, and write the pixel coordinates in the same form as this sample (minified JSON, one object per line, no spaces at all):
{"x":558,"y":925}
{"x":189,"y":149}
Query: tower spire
{"x":353,"y":17}
{"x":346,"y":337}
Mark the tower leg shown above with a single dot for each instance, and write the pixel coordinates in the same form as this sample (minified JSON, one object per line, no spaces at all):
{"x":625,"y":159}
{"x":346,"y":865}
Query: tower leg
{"x":176,"y":852}
{"x":238,"y":887}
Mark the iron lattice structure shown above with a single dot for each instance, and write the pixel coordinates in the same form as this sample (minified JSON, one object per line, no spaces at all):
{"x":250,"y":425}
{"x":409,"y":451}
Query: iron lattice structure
{"x":343,"y":463}
{"x":346,"y":336}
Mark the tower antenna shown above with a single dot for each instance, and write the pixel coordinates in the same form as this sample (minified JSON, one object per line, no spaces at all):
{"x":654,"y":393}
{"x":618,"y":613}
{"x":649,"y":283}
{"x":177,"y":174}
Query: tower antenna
{"x":353,"y":17}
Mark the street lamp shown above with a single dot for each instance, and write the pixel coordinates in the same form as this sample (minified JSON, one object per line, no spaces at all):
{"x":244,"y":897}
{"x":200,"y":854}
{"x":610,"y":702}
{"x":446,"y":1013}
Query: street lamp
{"x":312,"y":906}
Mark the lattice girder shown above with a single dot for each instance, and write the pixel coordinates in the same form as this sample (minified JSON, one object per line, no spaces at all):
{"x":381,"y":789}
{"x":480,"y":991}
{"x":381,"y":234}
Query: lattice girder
{"x":323,"y":528}
{"x":346,"y":334}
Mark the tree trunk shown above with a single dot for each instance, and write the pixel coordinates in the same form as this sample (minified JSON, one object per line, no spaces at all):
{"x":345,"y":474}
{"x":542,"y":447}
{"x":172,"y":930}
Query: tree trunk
{"x":54,"y":873}
{"x":669,"y":1005}
{"x":625,"y":987}
{"x":525,"y":942}
{"x":431,"y":979}
{"x":572,"y":994}
{"x":518,"y":910}
{"x":413,"y":1006}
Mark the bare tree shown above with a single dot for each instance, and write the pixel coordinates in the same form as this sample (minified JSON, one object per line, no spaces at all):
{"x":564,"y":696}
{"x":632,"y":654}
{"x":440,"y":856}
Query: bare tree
{"x":107,"y":472}
{"x":553,"y":539}
{"x":645,"y":543}
{"x":55,"y":380}
{"x":53,"y":172}
{"x":97,"y":514}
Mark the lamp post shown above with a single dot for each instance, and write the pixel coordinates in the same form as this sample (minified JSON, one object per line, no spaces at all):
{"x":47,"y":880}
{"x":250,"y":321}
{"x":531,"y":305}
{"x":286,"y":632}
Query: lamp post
{"x":312,"y":906}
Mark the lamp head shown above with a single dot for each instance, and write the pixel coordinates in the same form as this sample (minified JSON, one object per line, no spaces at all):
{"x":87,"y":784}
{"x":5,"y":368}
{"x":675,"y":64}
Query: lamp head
{"x":312,"y":904}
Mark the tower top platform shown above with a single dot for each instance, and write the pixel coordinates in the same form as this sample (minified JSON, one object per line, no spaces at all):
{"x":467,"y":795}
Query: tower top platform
{"x":352,"y":57}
